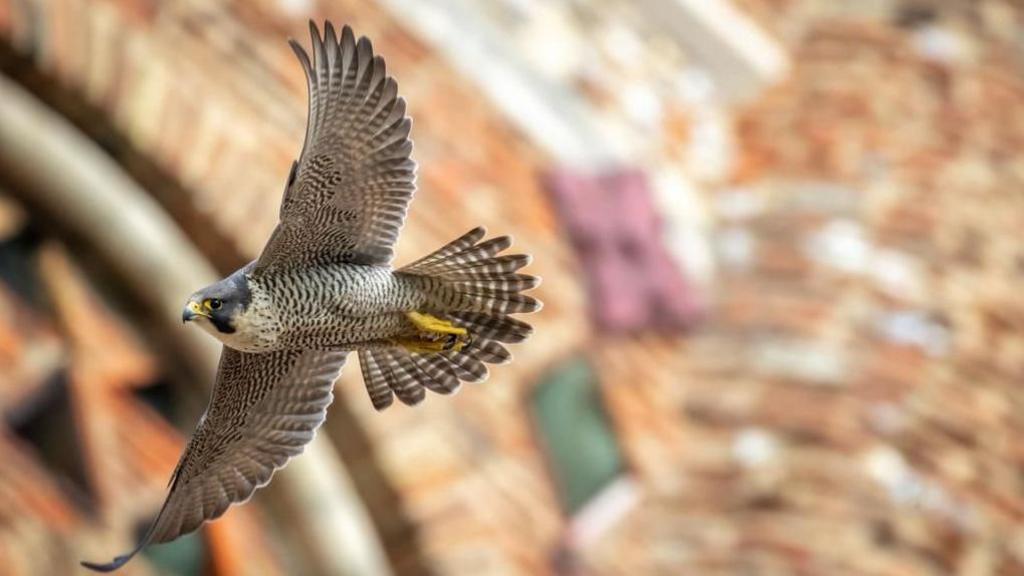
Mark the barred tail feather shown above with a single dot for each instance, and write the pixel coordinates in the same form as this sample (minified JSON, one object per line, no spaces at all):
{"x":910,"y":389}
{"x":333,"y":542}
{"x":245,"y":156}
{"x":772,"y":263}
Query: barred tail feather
{"x":497,"y":327}
{"x":475,"y":277}
{"x":454,"y":247}
{"x":473,"y":286}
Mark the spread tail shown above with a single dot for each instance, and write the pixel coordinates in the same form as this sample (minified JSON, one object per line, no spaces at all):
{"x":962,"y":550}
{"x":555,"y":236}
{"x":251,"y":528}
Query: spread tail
{"x":473,"y":287}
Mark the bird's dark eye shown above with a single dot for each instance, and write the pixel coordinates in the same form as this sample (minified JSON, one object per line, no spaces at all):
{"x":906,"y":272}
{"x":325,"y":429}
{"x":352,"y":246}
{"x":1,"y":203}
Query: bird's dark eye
{"x":215,"y":304}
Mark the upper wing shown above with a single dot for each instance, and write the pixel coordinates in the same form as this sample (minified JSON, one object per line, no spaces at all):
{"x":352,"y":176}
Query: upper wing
{"x":347,"y":196}
{"x":265,"y":408}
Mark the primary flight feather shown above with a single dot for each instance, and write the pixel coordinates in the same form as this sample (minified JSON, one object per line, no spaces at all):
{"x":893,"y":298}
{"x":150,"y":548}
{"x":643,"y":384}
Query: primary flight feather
{"x":323,"y":286}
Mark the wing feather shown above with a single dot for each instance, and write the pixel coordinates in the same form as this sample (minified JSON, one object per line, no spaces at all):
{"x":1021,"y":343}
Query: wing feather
{"x":264,"y":410}
{"x":355,"y":176}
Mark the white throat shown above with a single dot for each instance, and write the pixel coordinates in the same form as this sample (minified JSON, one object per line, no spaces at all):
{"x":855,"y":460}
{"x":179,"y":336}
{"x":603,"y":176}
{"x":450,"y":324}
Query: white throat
{"x":255,"y":331}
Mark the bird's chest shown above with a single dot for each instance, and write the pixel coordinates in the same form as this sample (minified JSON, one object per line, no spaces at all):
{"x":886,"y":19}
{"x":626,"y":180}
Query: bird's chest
{"x":334,"y":292}
{"x":333,"y":304}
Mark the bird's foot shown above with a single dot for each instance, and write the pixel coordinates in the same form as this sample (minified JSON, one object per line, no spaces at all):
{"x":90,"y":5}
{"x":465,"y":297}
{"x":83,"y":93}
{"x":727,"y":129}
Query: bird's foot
{"x":431,"y":324}
{"x":434,"y":335}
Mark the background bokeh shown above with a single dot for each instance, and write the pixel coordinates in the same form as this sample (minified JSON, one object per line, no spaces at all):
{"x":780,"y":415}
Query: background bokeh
{"x":781,"y":243}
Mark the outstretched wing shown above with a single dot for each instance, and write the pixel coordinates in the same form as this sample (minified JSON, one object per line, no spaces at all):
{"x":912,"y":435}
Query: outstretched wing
{"x":265,"y":408}
{"x":347,"y":196}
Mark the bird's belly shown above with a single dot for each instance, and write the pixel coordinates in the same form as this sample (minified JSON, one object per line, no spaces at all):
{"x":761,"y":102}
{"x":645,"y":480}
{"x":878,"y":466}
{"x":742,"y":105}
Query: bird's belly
{"x":342,"y":330}
{"x":342,"y":306}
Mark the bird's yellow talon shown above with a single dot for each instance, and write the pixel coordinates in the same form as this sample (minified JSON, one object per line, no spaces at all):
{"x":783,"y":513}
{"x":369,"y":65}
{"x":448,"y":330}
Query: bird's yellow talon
{"x":428,"y":323}
{"x":435,"y":335}
{"x":456,"y":342}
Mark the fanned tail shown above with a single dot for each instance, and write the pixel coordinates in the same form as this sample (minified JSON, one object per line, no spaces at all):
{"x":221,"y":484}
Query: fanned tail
{"x":470,"y":276}
{"x":473,"y":286}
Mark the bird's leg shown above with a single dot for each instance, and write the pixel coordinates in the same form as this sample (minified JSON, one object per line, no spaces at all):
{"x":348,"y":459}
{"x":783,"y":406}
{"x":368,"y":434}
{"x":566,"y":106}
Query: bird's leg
{"x":430,"y":324}
{"x":433,"y":335}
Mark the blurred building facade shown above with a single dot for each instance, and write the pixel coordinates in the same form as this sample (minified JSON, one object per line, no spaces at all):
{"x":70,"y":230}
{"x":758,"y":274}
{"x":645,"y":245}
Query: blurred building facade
{"x":781,"y":331}
{"x":86,"y":439}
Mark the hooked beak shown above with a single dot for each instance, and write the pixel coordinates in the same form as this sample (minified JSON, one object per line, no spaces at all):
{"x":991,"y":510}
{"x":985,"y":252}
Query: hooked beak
{"x":191,"y":311}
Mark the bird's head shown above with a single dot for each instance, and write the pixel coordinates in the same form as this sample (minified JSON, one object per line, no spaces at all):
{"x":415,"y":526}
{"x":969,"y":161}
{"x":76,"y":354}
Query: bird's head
{"x":218,"y":307}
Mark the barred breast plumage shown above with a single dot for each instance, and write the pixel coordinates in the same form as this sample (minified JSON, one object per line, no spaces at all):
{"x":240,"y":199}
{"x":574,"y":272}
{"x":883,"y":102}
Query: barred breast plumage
{"x":341,"y":306}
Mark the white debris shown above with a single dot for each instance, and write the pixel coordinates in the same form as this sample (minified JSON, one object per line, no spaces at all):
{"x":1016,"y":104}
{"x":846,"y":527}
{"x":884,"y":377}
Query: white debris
{"x":905,"y":486}
{"x":915,"y":328}
{"x":809,"y":361}
{"x":898,"y":274}
{"x":296,"y":7}
{"x":754,"y":447}
{"x":840,"y":244}
{"x":886,"y":466}
{"x":941,"y":45}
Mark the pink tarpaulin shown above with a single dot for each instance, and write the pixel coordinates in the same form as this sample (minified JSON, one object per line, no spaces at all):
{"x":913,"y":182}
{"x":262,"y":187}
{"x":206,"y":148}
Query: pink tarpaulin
{"x":612,"y":221}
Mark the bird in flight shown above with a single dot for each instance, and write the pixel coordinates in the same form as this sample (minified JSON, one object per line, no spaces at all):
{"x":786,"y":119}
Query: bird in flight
{"x":323,"y":287}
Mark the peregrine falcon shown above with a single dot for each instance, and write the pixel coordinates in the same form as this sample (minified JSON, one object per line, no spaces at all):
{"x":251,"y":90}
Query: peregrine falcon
{"x":323,"y":286}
